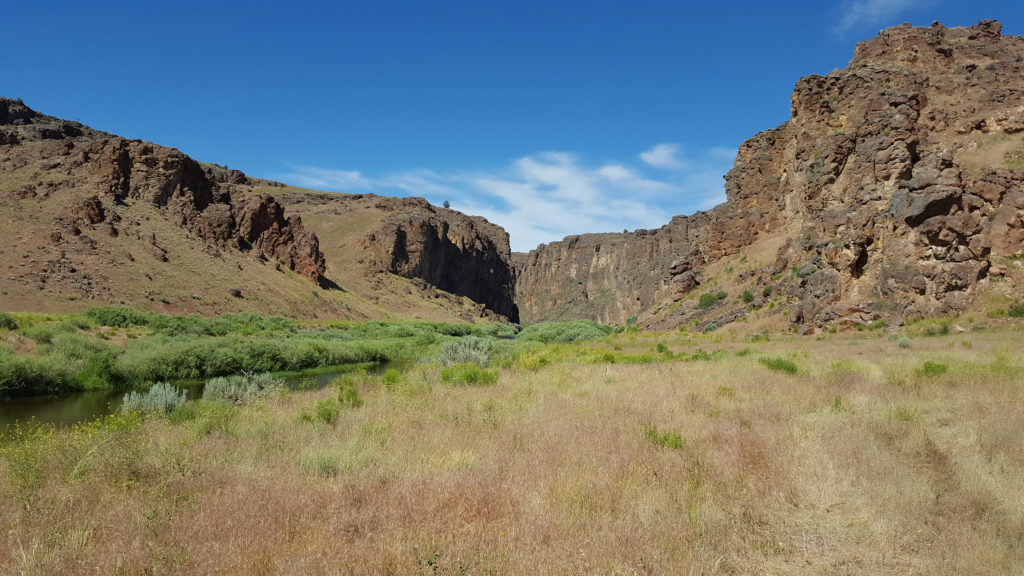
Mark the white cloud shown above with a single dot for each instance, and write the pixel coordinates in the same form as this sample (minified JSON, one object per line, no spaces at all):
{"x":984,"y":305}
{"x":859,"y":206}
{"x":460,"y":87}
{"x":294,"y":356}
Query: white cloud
{"x":546,"y":196}
{"x":418,"y":183}
{"x":862,"y":12}
{"x":326,"y":179}
{"x":664,"y":156}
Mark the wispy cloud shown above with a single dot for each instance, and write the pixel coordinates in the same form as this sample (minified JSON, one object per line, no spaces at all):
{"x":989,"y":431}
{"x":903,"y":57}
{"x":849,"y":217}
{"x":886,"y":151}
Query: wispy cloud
{"x":871,"y":12}
{"x":546,"y":196}
{"x":664,"y":156}
{"x":326,"y":179}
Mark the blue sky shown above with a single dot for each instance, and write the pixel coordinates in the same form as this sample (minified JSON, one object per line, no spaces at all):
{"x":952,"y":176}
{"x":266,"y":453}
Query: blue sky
{"x":548,"y":117}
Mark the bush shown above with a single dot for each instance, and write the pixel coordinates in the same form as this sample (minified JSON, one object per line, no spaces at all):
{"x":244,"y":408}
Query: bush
{"x":932,"y":369}
{"x":780,"y":364}
{"x":28,"y":375}
{"x":1016,"y":310}
{"x":709,"y":299}
{"x":161,"y":398}
{"x":468,"y":349}
{"x":497,"y":330}
{"x":164,"y":358}
{"x":242,"y":389}
{"x":118,"y":316}
{"x":468,"y":374}
{"x":903,"y":342}
{"x":747,"y":296}
{"x":7,"y":322}
{"x":565,"y":332}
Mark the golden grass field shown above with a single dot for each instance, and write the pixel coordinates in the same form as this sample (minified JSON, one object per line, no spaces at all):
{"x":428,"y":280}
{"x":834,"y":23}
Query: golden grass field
{"x":864,"y":461}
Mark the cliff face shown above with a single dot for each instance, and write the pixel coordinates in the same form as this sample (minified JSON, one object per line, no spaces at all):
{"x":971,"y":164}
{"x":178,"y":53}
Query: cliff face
{"x":464,"y":255}
{"x":446,"y":255}
{"x":890,"y":193}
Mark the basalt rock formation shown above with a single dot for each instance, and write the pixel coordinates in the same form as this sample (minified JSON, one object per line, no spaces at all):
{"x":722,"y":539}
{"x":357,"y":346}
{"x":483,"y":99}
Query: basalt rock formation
{"x":894,"y":191}
{"x":435,"y":247}
{"x":464,"y":255}
{"x":122,"y":171}
{"x":93,"y":218}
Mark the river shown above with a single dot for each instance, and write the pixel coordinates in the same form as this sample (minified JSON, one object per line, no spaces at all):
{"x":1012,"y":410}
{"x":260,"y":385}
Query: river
{"x":73,"y":407}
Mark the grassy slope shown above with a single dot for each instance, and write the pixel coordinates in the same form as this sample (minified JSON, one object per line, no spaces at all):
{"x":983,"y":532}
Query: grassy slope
{"x":860,"y":463}
{"x":196,"y":278}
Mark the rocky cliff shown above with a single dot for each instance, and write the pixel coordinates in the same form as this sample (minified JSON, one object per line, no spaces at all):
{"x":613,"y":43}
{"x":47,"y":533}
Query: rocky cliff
{"x":369,"y":237}
{"x":895,"y":190}
{"x":94,"y":218}
{"x":122,"y":171}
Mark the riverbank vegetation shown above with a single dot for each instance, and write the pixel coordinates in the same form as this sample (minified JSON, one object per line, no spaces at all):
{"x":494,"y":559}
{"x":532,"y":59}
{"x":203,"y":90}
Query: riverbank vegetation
{"x":669,"y":453}
{"x":117,"y":347}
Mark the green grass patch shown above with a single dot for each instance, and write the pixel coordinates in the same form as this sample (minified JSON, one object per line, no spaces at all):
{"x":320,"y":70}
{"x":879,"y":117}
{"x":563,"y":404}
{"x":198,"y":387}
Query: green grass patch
{"x":468,"y":374}
{"x":779,"y":364}
{"x":664,"y":439}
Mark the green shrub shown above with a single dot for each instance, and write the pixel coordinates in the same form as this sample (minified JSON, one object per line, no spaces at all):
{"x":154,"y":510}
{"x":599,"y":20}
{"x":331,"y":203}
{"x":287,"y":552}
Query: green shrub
{"x":932,"y":369}
{"x":766,"y":291}
{"x":670,"y":440}
{"x":747,"y":296}
{"x":28,"y":375}
{"x":468,"y":374}
{"x":118,"y":316}
{"x":709,"y":299}
{"x":565,"y":332}
{"x":45,"y":333}
{"x":496,"y":330}
{"x":1016,"y":310}
{"x":779,"y":364}
{"x":242,"y":389}
{"x":7,"y":322}
{"x":903,"y":342}
{"x":161,"y":398}
{"x":468,"y":349}
{"x":163,"y":358}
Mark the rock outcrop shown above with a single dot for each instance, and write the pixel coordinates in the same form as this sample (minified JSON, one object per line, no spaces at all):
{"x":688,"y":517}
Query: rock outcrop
{"x":123,"y":171}
{"x":464,"y":255}
{"x":888,"y":194}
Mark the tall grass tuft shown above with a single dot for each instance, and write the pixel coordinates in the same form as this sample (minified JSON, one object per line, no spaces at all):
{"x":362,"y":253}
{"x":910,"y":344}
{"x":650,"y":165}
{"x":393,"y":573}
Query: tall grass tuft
{"x":468,"y":374}
{"x":779,"y":364}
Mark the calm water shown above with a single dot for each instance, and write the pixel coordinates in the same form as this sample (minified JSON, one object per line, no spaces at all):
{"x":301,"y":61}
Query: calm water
{"x":73,"y":407}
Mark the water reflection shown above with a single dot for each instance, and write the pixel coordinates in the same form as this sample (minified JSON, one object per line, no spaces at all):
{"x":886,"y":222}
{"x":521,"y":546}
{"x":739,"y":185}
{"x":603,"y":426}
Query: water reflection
{"x":74,"y":407}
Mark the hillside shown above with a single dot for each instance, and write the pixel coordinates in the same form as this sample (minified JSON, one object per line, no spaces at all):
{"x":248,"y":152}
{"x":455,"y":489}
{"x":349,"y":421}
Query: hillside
{"x":91,"y":218}
{"x":895,"y":191}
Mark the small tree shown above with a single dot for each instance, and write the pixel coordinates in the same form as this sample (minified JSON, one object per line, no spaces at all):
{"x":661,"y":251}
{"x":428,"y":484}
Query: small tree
{"x":447,"y":204}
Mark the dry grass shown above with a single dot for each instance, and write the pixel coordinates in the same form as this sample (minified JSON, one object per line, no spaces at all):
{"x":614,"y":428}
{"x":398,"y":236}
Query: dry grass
{"x":549,"y":472}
